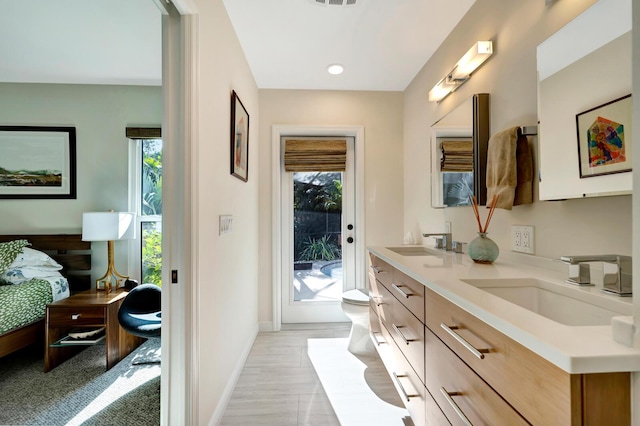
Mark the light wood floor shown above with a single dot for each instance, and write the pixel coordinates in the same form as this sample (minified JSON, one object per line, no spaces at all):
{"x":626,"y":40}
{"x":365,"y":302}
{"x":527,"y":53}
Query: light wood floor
{"x":304,"y":375}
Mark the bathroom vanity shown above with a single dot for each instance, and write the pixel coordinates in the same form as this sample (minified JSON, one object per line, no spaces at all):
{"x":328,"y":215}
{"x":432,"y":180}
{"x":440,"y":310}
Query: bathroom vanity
{"x":508,"y":343}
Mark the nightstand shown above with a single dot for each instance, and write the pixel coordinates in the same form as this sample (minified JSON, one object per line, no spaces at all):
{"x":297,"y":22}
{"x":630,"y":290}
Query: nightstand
{"x":89,"y":309}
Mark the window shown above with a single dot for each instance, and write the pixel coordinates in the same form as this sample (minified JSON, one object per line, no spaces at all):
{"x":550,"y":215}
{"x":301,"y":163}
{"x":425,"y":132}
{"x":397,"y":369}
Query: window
{"x":146,"y":200}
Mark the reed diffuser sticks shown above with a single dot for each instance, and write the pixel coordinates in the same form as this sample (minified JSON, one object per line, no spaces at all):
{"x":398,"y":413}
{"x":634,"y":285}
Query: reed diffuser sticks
{"x":476,"y":212}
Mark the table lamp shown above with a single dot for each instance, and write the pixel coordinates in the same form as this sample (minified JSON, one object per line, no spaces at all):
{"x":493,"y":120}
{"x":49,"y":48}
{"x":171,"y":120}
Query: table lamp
{"x":109,"y":226}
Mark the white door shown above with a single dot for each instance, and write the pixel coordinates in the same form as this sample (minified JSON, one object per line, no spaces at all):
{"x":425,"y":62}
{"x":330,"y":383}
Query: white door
{"x":318,"y":241}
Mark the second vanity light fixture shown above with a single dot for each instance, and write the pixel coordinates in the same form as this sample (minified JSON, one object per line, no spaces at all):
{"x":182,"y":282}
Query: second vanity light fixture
{"x":479,"y":52}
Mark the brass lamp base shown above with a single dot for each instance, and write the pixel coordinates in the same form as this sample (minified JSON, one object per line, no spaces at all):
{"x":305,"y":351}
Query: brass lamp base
{"x":112,"y":279}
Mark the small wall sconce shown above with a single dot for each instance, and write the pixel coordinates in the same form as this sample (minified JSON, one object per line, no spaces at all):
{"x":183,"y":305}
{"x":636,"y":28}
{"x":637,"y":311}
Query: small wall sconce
{"x":471,"y":60}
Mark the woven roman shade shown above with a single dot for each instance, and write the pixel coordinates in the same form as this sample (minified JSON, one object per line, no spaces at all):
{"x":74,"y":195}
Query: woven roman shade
{"x":457,"y":156}
{"x":143,"y":132}
{"x":315,"y":155}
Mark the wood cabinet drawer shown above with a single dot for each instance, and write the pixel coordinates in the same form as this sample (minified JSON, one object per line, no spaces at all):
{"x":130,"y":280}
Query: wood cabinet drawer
{"x":381,"y":269}
{"x":433,"y":414}
{"x":384,"y":305}
{"x":462,"y":395}
{"x":375,"y":328}
{"x":411,"y":389}
{"x":377,"y":292}
{"x":408,"y":333}
{"x":537,"y":389}
{"x":409,"y":292}
{"x":76,"y":315}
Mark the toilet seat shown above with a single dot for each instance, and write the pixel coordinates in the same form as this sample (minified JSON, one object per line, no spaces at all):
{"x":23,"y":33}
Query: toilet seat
{"x":355,"y":297}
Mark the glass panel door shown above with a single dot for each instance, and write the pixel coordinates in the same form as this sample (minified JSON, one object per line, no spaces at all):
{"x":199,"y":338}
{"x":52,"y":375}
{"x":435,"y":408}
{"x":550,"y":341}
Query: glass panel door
{"x":317,"y":236}
{"x":318,"y":261}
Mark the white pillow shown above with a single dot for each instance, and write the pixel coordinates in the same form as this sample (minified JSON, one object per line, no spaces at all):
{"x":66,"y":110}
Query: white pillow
{"x":34,"y":258}
{"x":20,"y":275}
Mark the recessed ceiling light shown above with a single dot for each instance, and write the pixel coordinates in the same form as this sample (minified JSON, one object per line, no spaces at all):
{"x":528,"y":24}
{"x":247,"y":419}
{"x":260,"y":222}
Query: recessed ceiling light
{"x":335,"y":69}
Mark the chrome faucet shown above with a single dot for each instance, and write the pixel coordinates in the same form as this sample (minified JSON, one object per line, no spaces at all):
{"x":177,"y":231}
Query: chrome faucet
{"x":616,"y":277}
{"x":446,"y":239}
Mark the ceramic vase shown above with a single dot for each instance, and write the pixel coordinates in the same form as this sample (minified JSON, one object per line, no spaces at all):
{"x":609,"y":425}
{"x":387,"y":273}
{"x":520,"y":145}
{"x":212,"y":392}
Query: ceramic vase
{"x":483,"y":249}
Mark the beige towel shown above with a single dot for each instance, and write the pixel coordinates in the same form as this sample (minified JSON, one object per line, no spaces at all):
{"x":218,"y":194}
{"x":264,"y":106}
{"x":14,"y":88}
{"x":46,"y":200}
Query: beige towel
{"x":509,"y":169}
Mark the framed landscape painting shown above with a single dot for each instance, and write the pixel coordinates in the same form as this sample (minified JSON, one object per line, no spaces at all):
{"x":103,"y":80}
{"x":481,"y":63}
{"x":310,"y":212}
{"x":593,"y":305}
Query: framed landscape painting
{"x":604,"y":138}
{"x":37,"y":162}
{"x":239,"y":139}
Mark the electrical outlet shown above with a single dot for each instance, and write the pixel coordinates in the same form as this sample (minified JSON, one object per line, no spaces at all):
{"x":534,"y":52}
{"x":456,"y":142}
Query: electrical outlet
{"x":522,"y":239}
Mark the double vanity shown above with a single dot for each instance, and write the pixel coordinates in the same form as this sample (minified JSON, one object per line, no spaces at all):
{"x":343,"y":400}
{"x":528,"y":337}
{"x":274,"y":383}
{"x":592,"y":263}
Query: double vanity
{"x":507,"y":343}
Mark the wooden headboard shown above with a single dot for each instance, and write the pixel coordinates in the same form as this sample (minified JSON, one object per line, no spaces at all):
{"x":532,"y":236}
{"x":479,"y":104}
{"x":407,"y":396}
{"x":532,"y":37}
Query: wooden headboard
{"x":68,"y":250}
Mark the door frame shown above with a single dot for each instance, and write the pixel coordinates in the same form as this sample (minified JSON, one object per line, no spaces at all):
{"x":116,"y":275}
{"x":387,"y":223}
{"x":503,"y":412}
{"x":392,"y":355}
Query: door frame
{"x":277,"y":132}
{"x":179,"y":403}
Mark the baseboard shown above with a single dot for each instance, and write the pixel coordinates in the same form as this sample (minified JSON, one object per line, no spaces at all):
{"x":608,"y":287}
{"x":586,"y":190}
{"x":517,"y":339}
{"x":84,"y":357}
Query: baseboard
{"x":265,"y":326}
{"x":233,"y":380}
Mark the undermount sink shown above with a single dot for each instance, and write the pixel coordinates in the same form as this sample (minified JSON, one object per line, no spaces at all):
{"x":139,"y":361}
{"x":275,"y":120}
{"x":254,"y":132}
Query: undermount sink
{"x":411,"y":251}
{"x":564,"y":304}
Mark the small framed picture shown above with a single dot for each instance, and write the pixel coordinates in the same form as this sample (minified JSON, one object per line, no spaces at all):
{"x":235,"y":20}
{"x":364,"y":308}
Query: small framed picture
{"x":37,"y":162}
{"x":604,"y":138}
{"x":239,"y":139}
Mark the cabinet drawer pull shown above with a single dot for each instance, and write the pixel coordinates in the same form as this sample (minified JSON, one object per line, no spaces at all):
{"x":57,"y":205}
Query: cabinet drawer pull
{"x":477,"y":352}
{"x":375,"y":338}
{"x":376,"y":269}
{"x":452,"y":403}
{"x":75,"y":316}
{"x":397,"y":329}
{"x":406,"y":396}
{"x":376,"y":298}
{"x":399,"y":290}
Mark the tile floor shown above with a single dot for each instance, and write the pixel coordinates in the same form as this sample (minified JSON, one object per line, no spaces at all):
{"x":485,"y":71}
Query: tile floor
{"x":304,"y":375}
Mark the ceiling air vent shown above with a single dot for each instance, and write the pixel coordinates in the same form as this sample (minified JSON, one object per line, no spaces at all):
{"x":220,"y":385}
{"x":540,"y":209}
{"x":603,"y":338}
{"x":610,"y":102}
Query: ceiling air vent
{"x":334,"y":2}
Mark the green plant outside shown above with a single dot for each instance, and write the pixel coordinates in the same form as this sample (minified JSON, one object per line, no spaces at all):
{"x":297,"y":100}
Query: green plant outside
{"x":322,"y":249}
{"x":152,"y":257}
{"x":151,"y":206}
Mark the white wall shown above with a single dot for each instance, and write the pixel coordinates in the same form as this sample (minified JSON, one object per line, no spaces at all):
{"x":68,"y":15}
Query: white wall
{"x":100,"y":115}
{"x":381,"y":115}
{"x":227,"y":283}
{"x":582,"y":226}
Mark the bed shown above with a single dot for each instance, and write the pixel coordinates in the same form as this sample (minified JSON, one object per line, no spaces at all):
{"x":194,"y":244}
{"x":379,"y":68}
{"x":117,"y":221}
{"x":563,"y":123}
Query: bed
{"x":74,"y":256}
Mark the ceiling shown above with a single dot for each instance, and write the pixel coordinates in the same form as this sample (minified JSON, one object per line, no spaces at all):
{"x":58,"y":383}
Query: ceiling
{"x":80,"y":42}
{"x":288,"y":43}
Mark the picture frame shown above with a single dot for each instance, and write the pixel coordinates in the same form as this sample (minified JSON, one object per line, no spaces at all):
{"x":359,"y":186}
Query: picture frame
{"x":239,"y":139}
{"x":605,"y":138}
{"x":37,"y":162}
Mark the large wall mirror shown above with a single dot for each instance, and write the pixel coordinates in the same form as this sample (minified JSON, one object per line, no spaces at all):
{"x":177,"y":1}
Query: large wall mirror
{"x":459,"y":154}
{"x":585,"y":133}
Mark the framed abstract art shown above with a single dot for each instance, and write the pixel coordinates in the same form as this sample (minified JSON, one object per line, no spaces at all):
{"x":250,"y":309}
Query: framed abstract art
{"x":604,"y":138}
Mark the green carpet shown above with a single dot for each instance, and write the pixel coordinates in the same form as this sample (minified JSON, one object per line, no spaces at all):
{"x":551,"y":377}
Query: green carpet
{"x":80,"y":391}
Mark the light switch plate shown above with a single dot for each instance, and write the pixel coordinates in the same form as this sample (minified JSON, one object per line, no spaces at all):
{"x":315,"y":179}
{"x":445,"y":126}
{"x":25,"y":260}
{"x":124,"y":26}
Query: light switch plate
{"x":226,"y":224}
{"x":522,"y":239}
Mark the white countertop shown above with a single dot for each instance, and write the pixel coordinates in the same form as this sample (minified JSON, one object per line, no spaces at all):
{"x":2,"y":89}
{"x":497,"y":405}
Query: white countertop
{"x":575,"y":349}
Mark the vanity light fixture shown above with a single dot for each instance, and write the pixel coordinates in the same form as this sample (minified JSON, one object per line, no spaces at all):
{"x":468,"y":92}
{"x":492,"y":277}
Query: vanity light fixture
{"x":461,"y":72}
{"x":335,"y":69}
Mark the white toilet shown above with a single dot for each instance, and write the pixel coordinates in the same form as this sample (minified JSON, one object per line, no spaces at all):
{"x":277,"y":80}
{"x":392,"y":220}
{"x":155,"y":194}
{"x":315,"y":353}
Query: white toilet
{"x":355,"y":305}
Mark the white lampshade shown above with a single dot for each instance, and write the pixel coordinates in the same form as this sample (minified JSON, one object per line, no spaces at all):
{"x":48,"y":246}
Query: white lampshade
{"x":108,"y":226}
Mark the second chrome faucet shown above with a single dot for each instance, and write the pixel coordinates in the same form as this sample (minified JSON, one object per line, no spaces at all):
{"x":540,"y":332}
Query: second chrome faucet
{"x":616,"y":272}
